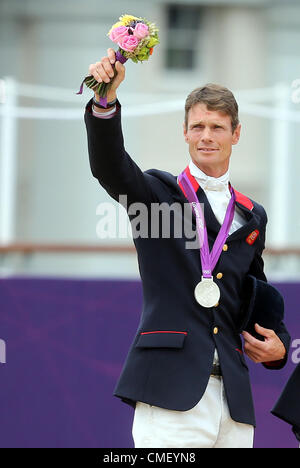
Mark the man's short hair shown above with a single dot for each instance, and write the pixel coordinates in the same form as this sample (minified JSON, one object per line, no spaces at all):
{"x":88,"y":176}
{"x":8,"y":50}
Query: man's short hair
{"x":216,"y":98}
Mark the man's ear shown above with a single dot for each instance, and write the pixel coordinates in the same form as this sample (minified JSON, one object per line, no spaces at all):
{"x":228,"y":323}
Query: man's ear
{"x":236,"y":134}
{"x":185,"y":133}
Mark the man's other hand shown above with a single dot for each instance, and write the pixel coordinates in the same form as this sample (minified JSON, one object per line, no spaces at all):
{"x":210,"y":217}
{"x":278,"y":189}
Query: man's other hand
{"x":271,"y":349}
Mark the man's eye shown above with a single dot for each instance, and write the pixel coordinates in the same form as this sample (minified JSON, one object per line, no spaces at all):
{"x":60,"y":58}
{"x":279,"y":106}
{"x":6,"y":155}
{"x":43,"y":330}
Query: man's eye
{"x":218,"y":126}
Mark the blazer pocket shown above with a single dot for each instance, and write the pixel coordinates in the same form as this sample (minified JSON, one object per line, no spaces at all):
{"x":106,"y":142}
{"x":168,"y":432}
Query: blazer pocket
{"x":161,"y":339}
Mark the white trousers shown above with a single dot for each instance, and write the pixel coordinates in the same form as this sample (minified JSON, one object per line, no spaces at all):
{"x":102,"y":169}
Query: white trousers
{"x":207,"y":425}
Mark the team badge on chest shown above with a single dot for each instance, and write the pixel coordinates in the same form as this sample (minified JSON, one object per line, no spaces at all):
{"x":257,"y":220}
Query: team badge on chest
{"x":252,"y":237}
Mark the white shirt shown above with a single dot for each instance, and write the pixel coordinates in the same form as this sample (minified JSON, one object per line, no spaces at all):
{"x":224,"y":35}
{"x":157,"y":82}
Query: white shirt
{"x":218,"y":194}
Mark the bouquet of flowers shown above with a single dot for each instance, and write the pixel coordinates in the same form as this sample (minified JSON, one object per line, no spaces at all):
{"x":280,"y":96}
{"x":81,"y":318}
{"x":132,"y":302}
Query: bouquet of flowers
{"x":136,"y":38}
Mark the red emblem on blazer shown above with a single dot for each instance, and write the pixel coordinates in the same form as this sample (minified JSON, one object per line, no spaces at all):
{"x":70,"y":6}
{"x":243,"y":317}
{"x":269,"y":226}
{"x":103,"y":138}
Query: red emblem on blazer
{"x":252,"y":237}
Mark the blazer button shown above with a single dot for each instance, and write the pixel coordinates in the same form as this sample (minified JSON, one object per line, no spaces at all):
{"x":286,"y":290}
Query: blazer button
{"x":220,"y":275}
{"x":225,"y":247}
{"x":216,"y":330}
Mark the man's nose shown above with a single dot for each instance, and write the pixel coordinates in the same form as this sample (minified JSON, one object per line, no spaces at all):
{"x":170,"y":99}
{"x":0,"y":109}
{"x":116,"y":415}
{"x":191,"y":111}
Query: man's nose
{"x":206,"y":135}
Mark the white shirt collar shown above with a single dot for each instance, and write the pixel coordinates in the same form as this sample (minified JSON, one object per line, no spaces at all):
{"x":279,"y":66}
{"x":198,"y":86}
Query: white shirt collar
{"x":207,"y":182}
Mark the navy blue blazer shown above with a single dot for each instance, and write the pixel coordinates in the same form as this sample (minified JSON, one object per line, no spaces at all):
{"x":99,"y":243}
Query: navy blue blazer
{"x":170,"y":360}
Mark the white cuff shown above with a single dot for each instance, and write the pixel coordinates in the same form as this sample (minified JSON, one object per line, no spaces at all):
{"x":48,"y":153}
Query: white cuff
{"x":106,"y":114}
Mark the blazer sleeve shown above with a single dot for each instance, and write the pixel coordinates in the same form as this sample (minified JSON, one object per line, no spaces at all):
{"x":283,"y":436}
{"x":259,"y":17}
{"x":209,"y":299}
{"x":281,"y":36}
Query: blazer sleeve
{"x":257,"y":270}
{"x":116,"y":172}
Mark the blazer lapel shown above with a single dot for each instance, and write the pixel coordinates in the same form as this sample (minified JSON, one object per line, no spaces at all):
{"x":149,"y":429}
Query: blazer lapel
{"x":252,"y":223}
{"x":213,"y":225}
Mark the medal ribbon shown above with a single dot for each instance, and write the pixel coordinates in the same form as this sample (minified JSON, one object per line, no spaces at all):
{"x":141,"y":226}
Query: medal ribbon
{"x":208,"y":259}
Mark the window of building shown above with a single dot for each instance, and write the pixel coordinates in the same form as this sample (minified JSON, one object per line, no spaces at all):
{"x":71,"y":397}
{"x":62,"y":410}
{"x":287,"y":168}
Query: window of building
{"x":183,"y":29}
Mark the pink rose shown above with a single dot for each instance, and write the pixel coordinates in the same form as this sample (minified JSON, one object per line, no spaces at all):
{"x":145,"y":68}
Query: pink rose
{"x":128,"y":43}
{"x":141,"y":30}
{"x":117,"y":33}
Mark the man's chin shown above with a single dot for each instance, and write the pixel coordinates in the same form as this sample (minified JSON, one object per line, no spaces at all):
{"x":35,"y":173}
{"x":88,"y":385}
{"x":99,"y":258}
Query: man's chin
{"x":207,"y":158}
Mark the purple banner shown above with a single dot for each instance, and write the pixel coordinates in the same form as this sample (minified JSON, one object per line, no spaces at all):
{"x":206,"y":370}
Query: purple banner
{"x":62,"y":346}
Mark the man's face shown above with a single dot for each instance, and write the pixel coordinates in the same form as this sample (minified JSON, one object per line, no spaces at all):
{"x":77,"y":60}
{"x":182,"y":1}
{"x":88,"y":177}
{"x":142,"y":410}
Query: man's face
{"x":210,"y":138}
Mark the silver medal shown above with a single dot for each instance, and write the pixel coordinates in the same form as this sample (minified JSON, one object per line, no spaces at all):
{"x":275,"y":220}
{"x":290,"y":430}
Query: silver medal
{"x":207,"y":292}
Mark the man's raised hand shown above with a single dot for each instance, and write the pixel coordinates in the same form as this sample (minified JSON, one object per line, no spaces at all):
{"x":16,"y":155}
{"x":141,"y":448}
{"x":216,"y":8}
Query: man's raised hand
{"x":103,"y":71}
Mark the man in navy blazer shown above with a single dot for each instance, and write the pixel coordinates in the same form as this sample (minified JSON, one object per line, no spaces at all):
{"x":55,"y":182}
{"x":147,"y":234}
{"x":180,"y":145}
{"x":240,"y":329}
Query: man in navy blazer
{"x":185,"y":372}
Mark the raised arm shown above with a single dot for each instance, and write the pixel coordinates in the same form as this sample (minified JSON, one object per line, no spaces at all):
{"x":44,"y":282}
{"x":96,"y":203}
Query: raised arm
{"x":110,"y":163}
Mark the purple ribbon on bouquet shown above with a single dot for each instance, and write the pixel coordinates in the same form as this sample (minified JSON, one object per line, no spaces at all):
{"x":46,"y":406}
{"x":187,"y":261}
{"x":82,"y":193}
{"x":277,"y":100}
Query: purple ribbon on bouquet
{"x":103,"y":100}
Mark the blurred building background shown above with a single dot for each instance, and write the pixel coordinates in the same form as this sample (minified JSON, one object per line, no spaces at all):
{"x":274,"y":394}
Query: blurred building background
{"x":47,"y":193}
